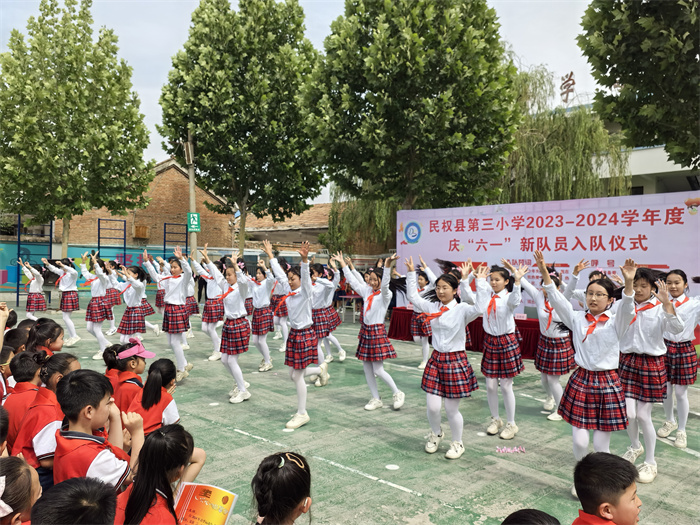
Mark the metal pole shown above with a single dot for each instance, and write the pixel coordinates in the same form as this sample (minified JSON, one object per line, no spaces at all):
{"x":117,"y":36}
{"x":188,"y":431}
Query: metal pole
{"x":193,"y":204}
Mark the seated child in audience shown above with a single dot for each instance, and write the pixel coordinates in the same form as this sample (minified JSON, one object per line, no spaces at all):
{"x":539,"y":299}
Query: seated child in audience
{"x":606,"y":486}
{"x":77,"y":501}
{"x":25,"y":369}
{"x":129,"y":360}
{"x":282,"y":488}
{"x":27,"y":324}
{"x":164,"y":459}
{"x":17,"y":339}
{"x":11,"y":320}
{"x":46,"y":335}
{"x":21,"y":489}
{"x":530,"y":517}
{"x":6,"y":355}
{"x":82,"y":449}
{"x":4,"y":427}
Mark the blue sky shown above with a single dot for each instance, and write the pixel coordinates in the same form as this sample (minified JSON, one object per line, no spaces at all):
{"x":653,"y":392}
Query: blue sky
{"x":150,"y":32}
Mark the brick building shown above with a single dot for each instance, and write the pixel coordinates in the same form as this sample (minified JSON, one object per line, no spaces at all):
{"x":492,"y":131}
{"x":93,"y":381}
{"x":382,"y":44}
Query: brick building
{"x":169,"y":203}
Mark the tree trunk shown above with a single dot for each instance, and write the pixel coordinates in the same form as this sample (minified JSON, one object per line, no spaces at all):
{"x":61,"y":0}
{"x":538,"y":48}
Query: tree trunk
{"x":65,"y":237}
{"x":241,"y":228}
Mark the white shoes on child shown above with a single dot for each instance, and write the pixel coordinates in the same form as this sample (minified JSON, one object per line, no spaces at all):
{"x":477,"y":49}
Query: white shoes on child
{"x":156,"y":329}
{"x":341,"y":355}
{"x":549,"y":403}
{"x":632,"y":454}
{"x":433,"y":442}
{"x":329,"y":358}
{"x":323,"y":377}
{"x":667,"y":428}
{"x":278,"y":335}
{"x":215,"y":356}
{"x":234,"y":391}
{"x":681,"y":439}
{"x":554,"y":417}
{"x":112,"y":331}
{"x":298,"y":420}
{"x":72,"y":340}
{"x":647,"y":473}
{"x":181,"y":374}
{"x":422,"y":364}
{"x":98,"y":355}
{"x":239,"y":397}
{"x":494,"y":427}
{"x":190,"y":334}
{"x":399,"y":398}
{"x":374,"y":404}
{"x":509,"y":431}
{"x":264,"y":367}
{"x":456,"y":450}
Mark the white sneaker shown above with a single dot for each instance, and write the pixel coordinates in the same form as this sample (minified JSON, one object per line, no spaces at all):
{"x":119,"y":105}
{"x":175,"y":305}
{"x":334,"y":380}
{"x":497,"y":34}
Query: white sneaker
{"x":312,"y":378}
{"x":647,"y":473}
{"x":239,"y":397}
{"x":69,"y":342}
{"x":456,"y":450}
{"x":433,"y":442}
{"x":509,"y":431}
{"x":341,"y":355}
{"x":324,"y":376}
{"x":399,"y":398}
{"x":549,"y":404}
{"x":554,"y":417}
{"x":190,"y":334}
{"x":98,"y":355}
{"x":185,"y":346}
{"x":76,"y":339}
{"x":283,"y":348}
{"x":235,"y":390}
{"x":374,"y":404}
{"x":278,"y":335}
{"x":328,"y":359}
{"x":156,"y":329}
{"x":264,"y":367}
{"x":681,"y":439}
{"x":494,"y":427}
{"x":215,"y":356}
{"x":298,"y":420}
{"x":219,"y":324}
{"x":181,"y":374}
{"x":422,"y":364}
{"x":112,"y":331}
{"x":189,"y":366}
{"x":632,"y":454}
{"x":667,"y":428}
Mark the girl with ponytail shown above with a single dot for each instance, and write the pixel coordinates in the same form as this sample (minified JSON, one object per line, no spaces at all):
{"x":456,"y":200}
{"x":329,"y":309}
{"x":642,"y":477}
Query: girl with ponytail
{"x":127,"y":362}
{"x":282,"y":488}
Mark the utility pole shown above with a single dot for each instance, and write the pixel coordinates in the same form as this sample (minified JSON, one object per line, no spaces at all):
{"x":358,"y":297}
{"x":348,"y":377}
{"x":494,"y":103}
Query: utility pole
{"x":189,"y":159}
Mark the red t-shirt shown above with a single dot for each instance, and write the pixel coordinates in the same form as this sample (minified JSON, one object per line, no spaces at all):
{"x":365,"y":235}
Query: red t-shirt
{"x":113,"y":374}
{"x":158,"y":513}
{"x":129,"y":385}
{"x":162,"y":413}
{"x":80,"y":455}
{"x":590,"y":519}
{"x":17,"y":404}
{"x":36,"y":439}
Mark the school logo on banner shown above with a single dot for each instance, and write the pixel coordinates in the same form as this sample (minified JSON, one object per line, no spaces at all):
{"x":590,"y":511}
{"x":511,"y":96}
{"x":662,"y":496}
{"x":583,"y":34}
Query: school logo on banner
{"x":411,"y":233}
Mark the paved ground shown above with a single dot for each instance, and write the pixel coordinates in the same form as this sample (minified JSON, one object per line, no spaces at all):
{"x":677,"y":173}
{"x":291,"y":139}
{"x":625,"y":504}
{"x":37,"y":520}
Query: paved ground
{"x":370,"y":467}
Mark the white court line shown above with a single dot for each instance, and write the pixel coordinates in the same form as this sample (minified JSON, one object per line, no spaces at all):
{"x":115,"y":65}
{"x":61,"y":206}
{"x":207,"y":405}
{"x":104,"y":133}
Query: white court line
{"x":686,"y":450}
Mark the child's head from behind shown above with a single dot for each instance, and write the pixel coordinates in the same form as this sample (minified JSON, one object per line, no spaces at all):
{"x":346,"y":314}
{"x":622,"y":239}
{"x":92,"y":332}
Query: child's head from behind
{"x":606,"y":486}
{"x":24,"y":368}
{"x":530,"y":517}
{"x":85,"y":395}
{"x":161,"y":374}
{"x":17,"y":339}
{"x":22,"y":489}
{"x":282,"y":488}
{"x":54,"y":367}
{"x":76,"y":501}
{"x":11,"y":320}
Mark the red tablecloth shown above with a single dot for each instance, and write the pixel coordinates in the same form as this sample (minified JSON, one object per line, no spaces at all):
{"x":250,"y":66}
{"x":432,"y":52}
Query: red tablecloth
{"x":400,"y":328}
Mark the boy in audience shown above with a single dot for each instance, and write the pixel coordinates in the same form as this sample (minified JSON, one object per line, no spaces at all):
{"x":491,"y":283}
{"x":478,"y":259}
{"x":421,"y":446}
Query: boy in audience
{"x":82,"y":449}
{"x":25,"y":370}
{"x":606,"y":486}
{"x":17,"y":339}
{"x":79,"y":501}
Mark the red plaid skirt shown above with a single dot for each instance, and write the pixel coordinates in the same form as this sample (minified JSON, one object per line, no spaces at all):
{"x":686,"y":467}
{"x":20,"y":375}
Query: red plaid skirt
{"x":320,"y":318}
{"x":213,"y":311}
{"x":643,"y":377}
{"x":594,"y":401}
{"x":235,"y":336}
{"x":274,"y":303}
{"x":362,"y":324}
{"x":146,"y":308}
{"x":555,"y":356}
{"x":681,"y":363}
{"x":501,"y":356}
{"x":302,"y":348}
{"x":249,"y":306}
{"x":333,"y":318}
{"x":69,"y":301}
{"x":374,"y":344}
{"x":133,"y":321}
{"x":449,"y":374}
{"x":468,"y":339}
{"x":98,"y":311}
{"x":262,"y":321}
{"x":36,"y":302}
{"x":112,"y":297}
{"x":191,"y":305}
{"x":419,"y":328}
{"x":160,"y":299}
{"x":175,"y":319}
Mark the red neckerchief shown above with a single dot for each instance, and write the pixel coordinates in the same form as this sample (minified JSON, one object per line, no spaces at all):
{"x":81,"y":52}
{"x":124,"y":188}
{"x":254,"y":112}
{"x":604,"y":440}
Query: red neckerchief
{"x":679,"y":303}
{"x":283,"y":300}
{"x":430,"y":317}
{"x":223,"y":296}
{"x":59,"y":279}
{"x":89,"y":281}
{"x":492,"y":305}
{"x":593,"y":323}
{"x":549,"y":309}
{"x":370,"y":299}
{"x":26,"y":286}
{"x":125,"y":289}
{"x":647,"y":306}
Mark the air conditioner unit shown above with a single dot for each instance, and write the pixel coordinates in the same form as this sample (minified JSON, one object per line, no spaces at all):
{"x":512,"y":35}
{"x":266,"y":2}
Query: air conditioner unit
{"x":141,"y":232}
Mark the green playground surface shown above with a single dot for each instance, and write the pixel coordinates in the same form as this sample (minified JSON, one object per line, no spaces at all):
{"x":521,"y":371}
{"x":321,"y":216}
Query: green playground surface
{"x":371,"y":467}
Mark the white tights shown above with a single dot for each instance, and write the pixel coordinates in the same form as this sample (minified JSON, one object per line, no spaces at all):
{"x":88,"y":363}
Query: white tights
{"x":230,"y":362}
{"x":508,"y":396}
{"x":601,"y":442}
{"x":260,"y":342}
{"x":454,"y":417}
{"x":31,"y":316}
{"x":373,"y":368}
{"x":327,"y":343}
{"x":423,"y":341}
{"x":683,"y":406}
{"x":210,"y":330}
{"x":96,"y":330}
{"x":639,"y":416}
{"x":282,"y":323}
{"x":175,"y":342}
{"x":298,"y":377}
{"x":111,"y":321}
{"x":552,"y":387}
{"x":70,"y":327}
{"x":149,"y":325}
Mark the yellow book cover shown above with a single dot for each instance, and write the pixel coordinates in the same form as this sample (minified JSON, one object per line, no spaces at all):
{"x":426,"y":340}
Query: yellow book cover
{"x":199,"y":504}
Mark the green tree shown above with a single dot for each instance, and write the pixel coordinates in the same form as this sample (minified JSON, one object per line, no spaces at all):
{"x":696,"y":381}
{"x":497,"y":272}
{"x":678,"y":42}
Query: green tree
{"x":560,"y":153}
{"x":413,"y":102}
{"x":235,"y":86}
{"x":72,"y":137}
{"x":646,"y":55}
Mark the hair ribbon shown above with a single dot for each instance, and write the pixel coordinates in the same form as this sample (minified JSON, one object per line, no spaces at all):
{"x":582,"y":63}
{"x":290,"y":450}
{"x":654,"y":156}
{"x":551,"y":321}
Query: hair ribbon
{"x":5,"y":509}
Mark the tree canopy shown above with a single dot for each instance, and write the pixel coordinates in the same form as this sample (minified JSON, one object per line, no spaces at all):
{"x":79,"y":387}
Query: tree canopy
{"x":235,"y":87}
{"x":414,"y":102}
{"x":72,"y":137}
{"x":646,"y":55}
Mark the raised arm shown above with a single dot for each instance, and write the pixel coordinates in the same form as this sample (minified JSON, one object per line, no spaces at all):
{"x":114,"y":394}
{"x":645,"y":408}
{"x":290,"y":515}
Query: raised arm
{"x":573,"y":282}
{"x":624,"y":313}
{"x":386,"y":277}
{"x":560,"y":303}
{"x":672,"y":322}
